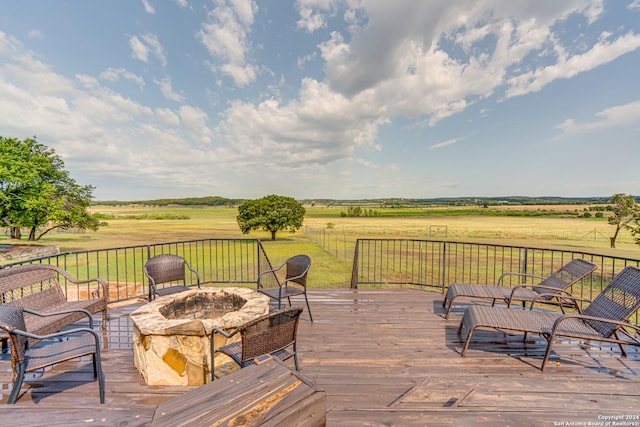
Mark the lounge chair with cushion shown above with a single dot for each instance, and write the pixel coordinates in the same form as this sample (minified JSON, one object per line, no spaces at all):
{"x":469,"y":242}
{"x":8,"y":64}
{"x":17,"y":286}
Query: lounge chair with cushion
{"x":604,"y":319}
{"x":557,"y":283}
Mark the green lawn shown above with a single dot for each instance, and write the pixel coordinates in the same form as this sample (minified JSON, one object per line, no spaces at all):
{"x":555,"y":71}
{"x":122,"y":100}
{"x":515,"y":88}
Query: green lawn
{"x":137,"y":227}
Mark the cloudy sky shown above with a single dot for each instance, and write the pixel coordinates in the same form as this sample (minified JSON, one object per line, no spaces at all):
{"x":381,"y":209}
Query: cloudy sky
{"x":149,"y":99}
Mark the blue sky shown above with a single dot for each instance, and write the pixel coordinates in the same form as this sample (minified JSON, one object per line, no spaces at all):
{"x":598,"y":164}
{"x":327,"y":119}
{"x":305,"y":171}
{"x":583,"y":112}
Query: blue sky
{"x":344,"y":99}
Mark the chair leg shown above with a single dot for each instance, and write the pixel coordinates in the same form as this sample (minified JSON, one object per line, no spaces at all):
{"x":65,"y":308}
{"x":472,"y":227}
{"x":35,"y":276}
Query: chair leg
{"x":308,"y":307}
{"x":622,"y":350}
{"x":95,"y":366}
{"x":446,"y":316}
{"x":17,"y":385}
{"x":295,"y":357}
{"x":101,"y":385}
{"x":467,"y":341}
{"x":547,"y":353}
{"x":213,"y":364}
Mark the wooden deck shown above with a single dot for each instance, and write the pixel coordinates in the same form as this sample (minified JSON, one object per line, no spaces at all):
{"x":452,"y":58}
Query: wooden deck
{"x":385,"y":357}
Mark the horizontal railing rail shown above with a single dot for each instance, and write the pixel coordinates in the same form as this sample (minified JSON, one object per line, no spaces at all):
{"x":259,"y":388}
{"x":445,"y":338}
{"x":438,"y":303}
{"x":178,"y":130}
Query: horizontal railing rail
{"x":218,"y":261}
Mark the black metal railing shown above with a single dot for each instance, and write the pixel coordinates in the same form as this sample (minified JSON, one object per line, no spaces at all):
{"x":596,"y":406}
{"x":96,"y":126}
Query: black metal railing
{"x":218,"y":261}
{"x":437,"y":263}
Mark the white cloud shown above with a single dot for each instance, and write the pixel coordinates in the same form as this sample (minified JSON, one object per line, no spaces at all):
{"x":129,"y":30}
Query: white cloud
{"x":634,"y":5}
{"x":35,"y":34}
{"x":167,"y":90}
{"x":182,"y":3}
{"x":568,"y":66}
{"x":195,"y":121}
{"x":139,"y":49}
{"x":148,"y":7}
{"x":99,"y":132}
{"x":145,"y":45}
{"x":225,"y":35}
{"x":612,"y":117}
{"x":312,"y":13}
{"x":446,"y":143}
{"x":167,"y":116}
{"x":115,"y":74}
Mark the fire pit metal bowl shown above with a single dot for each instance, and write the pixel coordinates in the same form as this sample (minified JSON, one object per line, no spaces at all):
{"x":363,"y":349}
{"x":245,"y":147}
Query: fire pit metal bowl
{"x":171,"y":334}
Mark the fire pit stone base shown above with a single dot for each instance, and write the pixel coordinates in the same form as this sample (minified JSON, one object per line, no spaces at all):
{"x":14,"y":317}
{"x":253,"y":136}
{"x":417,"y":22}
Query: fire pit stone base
{"x":171,"y":334}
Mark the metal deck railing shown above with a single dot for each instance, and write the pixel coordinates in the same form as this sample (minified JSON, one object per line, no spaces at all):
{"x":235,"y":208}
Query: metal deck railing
{"x":218,"y":261}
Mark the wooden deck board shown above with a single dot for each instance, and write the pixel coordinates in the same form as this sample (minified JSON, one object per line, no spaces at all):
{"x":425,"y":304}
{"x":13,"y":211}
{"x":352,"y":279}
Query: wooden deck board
{"x":384,"y":357}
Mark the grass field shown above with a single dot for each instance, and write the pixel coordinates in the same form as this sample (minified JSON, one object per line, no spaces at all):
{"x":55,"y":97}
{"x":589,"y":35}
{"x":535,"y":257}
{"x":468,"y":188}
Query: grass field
{"x":134,"y":225}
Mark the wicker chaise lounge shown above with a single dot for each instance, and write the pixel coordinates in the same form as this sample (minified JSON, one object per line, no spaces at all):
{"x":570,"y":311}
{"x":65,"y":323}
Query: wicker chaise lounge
{"x":604,"y":319}
{"x":557,"y":283}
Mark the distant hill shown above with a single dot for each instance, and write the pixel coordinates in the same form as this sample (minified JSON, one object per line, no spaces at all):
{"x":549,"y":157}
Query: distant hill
{"x":386,"y":202}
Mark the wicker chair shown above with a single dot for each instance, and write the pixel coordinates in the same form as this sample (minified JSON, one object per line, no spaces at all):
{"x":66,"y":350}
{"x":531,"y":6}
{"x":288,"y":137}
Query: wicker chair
{"x":294,"y":283}
{"x":273,"y":334}
{"x":604,"y":319}
{"x":83,"y":342}
{"x":168,"y":269}
{"x":555,"y":284}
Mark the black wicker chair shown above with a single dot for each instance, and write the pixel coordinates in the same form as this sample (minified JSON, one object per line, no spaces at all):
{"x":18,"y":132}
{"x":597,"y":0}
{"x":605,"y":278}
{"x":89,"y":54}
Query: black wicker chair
{"x":294,"y":282}
{"x":170,"y":271}
{"x":83,"y":342}
{"x":274,"y":334}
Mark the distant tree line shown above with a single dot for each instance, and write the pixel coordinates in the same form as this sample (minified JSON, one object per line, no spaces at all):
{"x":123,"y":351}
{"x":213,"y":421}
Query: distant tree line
{"x":187,"y":201}
{"x":357,"y":211}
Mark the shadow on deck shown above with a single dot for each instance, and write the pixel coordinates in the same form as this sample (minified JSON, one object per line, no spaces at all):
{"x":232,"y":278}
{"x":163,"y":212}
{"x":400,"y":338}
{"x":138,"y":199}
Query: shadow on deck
{"x":384,"y":357}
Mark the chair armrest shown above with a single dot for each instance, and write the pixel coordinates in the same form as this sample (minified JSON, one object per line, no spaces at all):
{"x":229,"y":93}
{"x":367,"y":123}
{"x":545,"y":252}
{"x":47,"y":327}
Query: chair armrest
{"x":225,"y":333}
{"x":101,"y":282}
{"x":555,"y":291}
{"x":514,"y":273}
{"x":557,"y":323}
{"x":56,"y":313}
{"x":194,"y":271}
{"x":559,"y":297}
{"x":59,"y":334}
{"x":272,"y":271}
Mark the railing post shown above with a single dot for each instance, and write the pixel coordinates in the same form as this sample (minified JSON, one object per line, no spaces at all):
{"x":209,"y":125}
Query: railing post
{"x":524,"y":266}
{"x":354,"y":271}
{"x":444,"y":264}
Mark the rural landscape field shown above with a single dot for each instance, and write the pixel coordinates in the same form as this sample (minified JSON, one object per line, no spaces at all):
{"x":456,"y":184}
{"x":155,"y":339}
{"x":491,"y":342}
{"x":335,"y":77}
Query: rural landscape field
{"x":328,"y":236}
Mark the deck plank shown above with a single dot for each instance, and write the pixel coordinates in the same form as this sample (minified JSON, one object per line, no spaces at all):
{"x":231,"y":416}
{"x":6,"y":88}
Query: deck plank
{"x":383,"y":357}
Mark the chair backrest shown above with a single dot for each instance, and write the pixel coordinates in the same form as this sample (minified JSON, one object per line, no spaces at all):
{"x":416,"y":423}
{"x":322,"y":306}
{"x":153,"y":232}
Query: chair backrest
{"x":269,"y":333}
{"x":11,"y":318}
{"x":618,"y":301}
{"x":32,"y":285}
{"x":567,"y":275}
{"x":165,"y":268}
{"x":297,"y":269}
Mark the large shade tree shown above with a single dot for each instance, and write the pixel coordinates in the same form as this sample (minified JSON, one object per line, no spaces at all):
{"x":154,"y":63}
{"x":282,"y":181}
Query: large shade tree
{"x":625,"y":213}
{"x":37,"y":193}
{"x":270,"y":213}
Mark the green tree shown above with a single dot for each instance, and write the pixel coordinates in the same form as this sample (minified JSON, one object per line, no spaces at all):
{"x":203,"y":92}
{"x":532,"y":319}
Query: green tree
{"x":37,"y":193}
{"x":270,"y":213}
{"x":625,"y":211}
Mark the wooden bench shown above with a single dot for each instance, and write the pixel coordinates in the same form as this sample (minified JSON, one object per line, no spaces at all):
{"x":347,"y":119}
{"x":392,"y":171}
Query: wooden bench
{"x":264,"y":394}
{"x":37,"y":287}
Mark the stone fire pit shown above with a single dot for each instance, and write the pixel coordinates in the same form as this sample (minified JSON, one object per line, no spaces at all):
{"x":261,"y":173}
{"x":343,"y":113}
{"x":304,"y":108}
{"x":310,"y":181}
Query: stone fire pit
{"x":171,"y":334}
